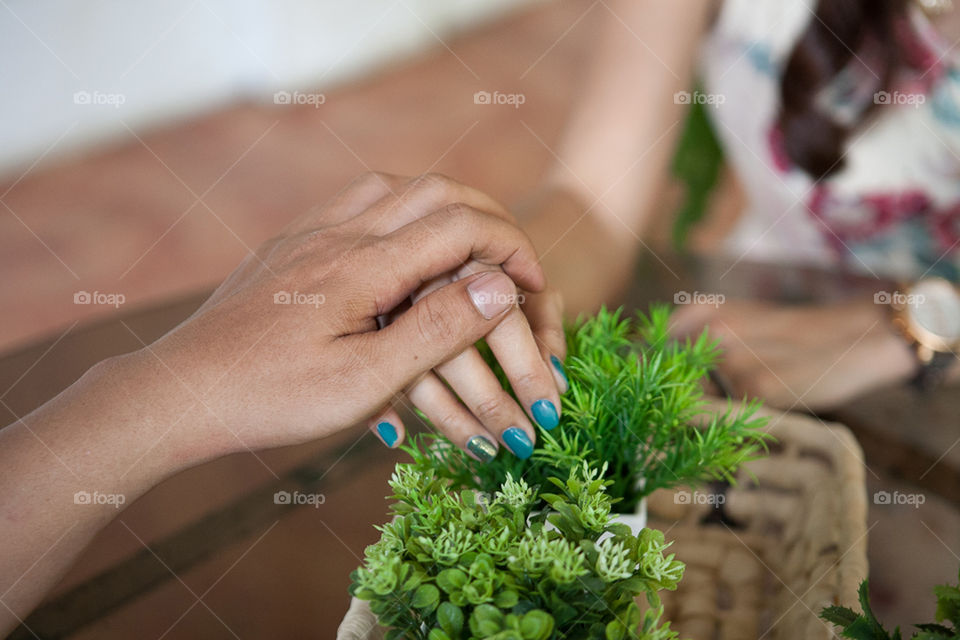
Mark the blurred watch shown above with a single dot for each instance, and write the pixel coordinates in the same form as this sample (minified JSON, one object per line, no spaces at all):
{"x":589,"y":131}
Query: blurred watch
{"x":928,"y":316}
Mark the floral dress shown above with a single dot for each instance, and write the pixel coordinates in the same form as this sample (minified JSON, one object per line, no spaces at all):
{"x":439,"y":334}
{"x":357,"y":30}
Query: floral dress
{"x":893,"y":210}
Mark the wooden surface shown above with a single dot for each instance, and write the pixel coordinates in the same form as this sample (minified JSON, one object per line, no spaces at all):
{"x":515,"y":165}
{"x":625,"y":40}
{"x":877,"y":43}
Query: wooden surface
{"x":175,"y":209}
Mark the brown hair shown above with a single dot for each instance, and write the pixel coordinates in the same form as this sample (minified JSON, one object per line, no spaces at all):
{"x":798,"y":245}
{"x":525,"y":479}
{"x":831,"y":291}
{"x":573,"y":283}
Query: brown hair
{"x":842,"y":33}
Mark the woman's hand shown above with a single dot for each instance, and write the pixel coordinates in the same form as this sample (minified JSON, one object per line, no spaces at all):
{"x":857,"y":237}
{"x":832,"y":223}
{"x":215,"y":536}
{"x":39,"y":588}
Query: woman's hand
{"x":463,"y":396}
{"x":801,"y":357}
{"x":474,"y":411}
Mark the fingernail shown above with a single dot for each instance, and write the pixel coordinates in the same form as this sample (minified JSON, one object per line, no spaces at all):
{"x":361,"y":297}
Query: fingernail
{"x":387,"y":433}
{"x":560,"y":374}
{"x":517,"y":441}
{"x":545,"y":414}
{"x":492,"y":294}
{"x":482,"y":448}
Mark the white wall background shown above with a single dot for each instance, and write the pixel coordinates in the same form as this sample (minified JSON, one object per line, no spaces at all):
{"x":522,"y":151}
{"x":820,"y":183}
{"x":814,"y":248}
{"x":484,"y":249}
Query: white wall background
{"x":143,"y":62}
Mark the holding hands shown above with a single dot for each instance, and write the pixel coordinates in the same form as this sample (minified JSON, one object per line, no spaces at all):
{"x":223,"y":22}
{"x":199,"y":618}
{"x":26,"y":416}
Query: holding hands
{"x":429,"y":260}
{"x":385,"y":288}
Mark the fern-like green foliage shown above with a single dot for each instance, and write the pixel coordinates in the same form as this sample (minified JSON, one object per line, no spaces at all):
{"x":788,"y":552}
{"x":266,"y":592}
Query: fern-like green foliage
{"x":635,"y":405}
{"x":865,"y":626}
{"x":467,"y":566}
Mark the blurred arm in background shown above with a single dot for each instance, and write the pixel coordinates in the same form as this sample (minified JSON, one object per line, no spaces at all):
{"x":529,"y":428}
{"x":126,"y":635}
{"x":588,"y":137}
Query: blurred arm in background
{"x":590,"y":216}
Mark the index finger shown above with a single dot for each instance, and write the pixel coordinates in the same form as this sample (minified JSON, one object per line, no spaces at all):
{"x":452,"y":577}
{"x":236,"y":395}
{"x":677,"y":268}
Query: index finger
{"x":441,"y":242}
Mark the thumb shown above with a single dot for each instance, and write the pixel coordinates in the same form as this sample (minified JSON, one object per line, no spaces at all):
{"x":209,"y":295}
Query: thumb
{"x":441,"y":325}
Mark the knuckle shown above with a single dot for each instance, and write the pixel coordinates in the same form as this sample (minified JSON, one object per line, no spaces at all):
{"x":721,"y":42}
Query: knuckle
{"x":458,"y":210}
{"x":526,"y":381}
{"x":462,"y":217}
{"x":553,"y":339}
{"x":448,"y":419}
{"x":436,"y":321}
{"x":432,"y":183}
{"x":490,"y":409}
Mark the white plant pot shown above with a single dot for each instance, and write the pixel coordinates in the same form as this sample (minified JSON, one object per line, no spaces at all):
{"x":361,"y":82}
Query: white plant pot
{"x":636,"y":521}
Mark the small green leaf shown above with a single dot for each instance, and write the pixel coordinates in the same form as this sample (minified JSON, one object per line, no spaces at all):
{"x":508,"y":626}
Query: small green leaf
{"x":615,"y":630}
{"x":935,"y":632}
{"x":860,"y":629}
{"x":840,"y":616}
{"x":486,"y":621}
{"x":426,"y":597}
{"x":506,"y":599}
{"x":450,"y":618}
{"x":451,"y":580}
{"x":620,"y":529}
{"x":536,"y":625}
{"x":948,"y":603}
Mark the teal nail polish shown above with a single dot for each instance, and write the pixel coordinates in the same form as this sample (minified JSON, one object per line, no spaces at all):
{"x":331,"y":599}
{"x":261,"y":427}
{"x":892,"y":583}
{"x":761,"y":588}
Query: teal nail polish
{"x":388,"y":433}
{"x":517,"y":441}
{"x":545,"y":414}
{"x":555,"y":361}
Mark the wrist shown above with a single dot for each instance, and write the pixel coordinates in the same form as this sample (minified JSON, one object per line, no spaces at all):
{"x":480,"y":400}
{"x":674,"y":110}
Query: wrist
{"x":73,"y":463}
{"x":926,"y":315}
{"x":894,"y":354}
{"x":161,"y":419}
{"x":103,"y":435}
{"x":584,"y":259}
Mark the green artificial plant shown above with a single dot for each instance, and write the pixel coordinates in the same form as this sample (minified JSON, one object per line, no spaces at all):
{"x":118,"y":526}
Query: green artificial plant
{"x":469,"y":565}
{"x":635,"y":406}
{"x":865,"y":626}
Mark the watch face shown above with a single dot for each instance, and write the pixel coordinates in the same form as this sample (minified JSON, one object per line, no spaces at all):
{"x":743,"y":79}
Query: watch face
{"x":936,"y":310}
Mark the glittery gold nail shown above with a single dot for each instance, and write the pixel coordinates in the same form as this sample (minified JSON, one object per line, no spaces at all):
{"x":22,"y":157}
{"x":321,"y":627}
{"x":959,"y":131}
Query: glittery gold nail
{"x":482,"y":448}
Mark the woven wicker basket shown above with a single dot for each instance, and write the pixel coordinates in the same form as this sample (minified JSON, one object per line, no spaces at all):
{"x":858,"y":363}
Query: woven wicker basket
{"x":789,"y":539}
